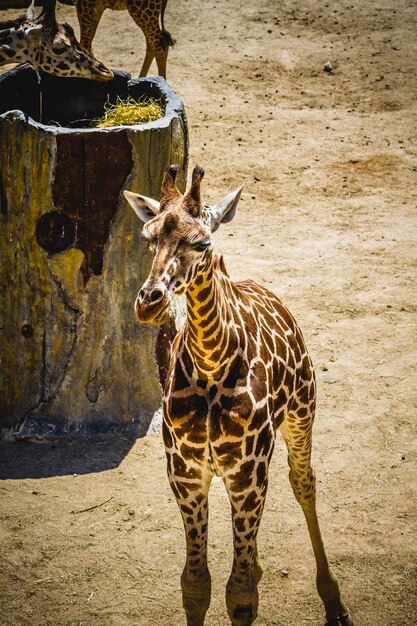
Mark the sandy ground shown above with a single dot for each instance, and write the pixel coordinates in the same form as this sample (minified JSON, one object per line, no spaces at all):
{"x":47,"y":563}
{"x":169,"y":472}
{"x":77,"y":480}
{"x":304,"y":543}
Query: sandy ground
{"x":90,"y":533}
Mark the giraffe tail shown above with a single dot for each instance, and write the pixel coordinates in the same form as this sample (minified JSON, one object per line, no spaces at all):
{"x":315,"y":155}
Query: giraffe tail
{"x":166,"y":39}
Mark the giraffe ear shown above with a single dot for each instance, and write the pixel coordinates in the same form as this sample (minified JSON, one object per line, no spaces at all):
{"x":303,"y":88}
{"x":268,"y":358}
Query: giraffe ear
{"x":145,"y":208}
{"x":224,"y":211}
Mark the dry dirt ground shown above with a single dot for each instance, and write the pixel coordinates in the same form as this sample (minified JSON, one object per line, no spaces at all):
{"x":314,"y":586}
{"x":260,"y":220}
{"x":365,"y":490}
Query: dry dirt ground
{"x":90,"y":533}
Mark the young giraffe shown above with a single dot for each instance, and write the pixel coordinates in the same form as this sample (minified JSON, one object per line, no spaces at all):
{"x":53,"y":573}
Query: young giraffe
{"x":148,"y":15}
{"x":239,"y":370}
{"x":48,"y":46}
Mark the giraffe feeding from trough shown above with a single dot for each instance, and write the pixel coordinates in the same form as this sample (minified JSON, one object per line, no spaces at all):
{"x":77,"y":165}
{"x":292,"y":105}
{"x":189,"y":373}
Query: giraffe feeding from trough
{"x":239,"y":371}
{"x":48,"y":46}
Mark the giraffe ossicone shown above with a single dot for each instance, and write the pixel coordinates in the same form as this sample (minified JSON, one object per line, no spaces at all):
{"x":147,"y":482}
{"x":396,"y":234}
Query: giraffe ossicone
{"x":239,"y":371}
{"x":49,"y":46}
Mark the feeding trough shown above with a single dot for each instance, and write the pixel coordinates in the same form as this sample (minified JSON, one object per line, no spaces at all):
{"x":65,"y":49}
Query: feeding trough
{"x":73,"y":358}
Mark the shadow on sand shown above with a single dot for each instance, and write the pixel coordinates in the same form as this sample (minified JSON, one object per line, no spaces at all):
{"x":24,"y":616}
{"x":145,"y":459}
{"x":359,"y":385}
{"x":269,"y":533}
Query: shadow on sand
{"x":78,"y":455}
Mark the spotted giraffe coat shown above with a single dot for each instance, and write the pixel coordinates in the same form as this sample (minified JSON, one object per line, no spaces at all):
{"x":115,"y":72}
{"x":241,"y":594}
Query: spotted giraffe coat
{"x":239,"y":370}
{"x":49,"y":46}
{"x":224,"y":421}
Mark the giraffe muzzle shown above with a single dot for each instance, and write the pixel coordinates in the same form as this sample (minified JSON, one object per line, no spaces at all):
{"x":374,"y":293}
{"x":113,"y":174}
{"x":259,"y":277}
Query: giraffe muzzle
{"x":152,"y":306}
{"x":102,"y":74}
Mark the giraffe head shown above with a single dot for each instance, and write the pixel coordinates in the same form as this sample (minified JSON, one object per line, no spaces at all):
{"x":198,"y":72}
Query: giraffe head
{"x":178,"y":231}
{"x":66,"y":57}
{"x":49,"y":46}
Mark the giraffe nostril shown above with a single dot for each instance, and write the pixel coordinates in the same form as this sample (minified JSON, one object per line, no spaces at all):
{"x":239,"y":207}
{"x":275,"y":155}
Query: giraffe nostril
{"x":155,"y":296}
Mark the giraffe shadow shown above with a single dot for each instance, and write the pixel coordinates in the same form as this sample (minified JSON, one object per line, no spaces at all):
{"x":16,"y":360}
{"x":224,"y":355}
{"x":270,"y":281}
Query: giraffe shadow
{"x":78,"y":455}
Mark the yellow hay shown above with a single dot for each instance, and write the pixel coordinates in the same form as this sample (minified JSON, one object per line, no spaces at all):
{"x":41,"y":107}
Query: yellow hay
{"x":130,"y":111}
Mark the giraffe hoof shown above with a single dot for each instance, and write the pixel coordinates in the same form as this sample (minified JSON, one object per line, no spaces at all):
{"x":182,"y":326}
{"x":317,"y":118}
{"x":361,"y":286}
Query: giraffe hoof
{"x":243,"y":616}
{"x":341,"y":620}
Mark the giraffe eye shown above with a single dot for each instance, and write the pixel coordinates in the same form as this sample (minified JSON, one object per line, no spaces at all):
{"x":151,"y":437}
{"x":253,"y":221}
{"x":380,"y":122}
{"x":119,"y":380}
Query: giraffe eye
{"x":201,"y":246}
{"x":59,"y":50}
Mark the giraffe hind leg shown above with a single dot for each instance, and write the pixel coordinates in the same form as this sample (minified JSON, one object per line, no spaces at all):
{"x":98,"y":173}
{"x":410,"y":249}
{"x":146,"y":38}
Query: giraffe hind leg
{"x":303,"y":483}
{"x":155,"y":51}
{"x":161,"y":56}
{"x":149,"y":57}
{"x":158,"y":41}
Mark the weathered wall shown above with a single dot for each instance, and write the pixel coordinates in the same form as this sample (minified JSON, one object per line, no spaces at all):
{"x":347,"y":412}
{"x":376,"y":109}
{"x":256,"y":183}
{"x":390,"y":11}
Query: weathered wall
{"x":71,"y":262}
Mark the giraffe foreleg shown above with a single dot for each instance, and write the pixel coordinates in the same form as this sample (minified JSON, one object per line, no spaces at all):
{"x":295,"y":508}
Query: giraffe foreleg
{"x":192,"y":499}
{"x":242,"y":586}
{"x":89,"y":16}
{"x":303,"y":483}
{"x":257,"y":567}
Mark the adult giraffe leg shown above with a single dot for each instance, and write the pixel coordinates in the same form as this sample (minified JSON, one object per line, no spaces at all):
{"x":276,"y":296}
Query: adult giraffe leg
{"x":161,"y":56}
{"x":192,"y":499}
{"x":242,"y":587}
{"x":147,"y":61}
{"x":303,"y":482}
{"x":257,"y":568}
{"x":149,"y":25}
{"x":89,"y":16}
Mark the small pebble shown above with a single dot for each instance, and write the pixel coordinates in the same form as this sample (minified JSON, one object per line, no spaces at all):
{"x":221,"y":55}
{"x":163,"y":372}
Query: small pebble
{"x":328,"y":67}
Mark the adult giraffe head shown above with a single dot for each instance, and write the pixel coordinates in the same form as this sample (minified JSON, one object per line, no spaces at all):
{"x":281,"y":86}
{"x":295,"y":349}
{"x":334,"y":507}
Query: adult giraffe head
{"x":49,"y":46}
{"x":178,"y":231}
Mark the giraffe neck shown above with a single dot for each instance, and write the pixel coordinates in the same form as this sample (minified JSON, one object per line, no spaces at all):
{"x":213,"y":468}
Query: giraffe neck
{"x":8,"y":39}
{"x":211,"y":333}
{"x":16,"y":46}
